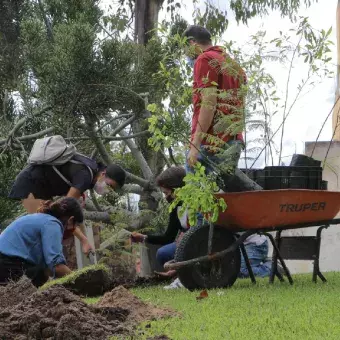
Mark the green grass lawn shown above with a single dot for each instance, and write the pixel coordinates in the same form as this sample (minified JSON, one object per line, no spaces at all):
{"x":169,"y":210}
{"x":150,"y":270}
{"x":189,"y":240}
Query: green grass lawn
{"x":245,"y":311}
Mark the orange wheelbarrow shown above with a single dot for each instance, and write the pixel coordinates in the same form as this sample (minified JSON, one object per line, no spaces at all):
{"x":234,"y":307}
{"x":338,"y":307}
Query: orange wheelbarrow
{"x":209,"y":256}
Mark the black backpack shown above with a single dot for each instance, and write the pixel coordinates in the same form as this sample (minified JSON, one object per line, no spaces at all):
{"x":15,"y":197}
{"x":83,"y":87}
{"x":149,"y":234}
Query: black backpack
{"x":78,"y":158}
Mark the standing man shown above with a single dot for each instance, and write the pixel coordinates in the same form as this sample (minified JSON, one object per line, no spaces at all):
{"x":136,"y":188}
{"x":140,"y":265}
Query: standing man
{"x":218,"y":100}
{"x":37,"y":183}
{"x":217,"y":123}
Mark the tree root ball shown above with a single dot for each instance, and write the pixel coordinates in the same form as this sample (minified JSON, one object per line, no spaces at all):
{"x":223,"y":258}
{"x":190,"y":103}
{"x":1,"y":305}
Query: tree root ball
{"x":89,"y":281}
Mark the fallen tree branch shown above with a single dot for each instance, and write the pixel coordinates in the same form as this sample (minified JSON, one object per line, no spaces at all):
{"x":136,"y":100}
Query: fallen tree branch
{"x":140,"y":96}
{"x":98,"y":142}
{"x":113,"y":138}
{"x":135,"y":135}
{"x":123,"y":126}
{"x":97,"y":216}
{"x":136,"y":153}
{"x":30,"y":137}
{"x":171,"y":154}
{"x":89,"y":205}
{"x":22,"y":121}
{"x":133,"y":189}
{"x":100,"y":147}
{"x":114,"y":132}
{"x":165,"y":159}
{"x":137,"y":180}
{"x":133,"y":220}
{"x":127,"y":115}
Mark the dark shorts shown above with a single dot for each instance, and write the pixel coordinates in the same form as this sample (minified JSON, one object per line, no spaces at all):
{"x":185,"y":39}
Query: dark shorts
{"x":30,"y":180}
{"x":13,"y":268}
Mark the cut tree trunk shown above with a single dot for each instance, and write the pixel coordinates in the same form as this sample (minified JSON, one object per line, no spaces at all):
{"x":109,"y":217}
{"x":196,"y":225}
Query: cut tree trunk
{"x":146,"y":20}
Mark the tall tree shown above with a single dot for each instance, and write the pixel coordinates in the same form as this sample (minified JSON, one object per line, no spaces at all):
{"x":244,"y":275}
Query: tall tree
{"x":79,"y":72}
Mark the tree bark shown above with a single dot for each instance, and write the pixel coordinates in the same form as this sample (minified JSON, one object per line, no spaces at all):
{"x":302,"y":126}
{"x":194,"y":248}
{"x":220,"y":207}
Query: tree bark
{"x":30,"y":137}
{"x":11,"y":14}
{"x":133,"y":220}
{"x":146,"y":19}
{"x":136,"y":153}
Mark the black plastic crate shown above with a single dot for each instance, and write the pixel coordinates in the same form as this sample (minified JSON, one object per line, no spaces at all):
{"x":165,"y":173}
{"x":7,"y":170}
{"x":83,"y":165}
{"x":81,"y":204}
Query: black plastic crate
{"x":292,"y":177}
{"x":257,"y":175}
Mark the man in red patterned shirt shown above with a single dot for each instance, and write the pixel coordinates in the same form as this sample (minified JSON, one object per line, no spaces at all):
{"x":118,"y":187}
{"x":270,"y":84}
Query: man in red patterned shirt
{"x":218,"y":100}
{"x":217,"y":122}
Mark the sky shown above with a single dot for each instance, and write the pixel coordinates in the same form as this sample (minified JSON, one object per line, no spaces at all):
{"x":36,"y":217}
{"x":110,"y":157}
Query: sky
{"x":310,"y":111}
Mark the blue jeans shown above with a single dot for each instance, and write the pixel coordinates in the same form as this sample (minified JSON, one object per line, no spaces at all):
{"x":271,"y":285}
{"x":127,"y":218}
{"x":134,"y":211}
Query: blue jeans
{"x":258,"y":260}
{"x":166,"y":253}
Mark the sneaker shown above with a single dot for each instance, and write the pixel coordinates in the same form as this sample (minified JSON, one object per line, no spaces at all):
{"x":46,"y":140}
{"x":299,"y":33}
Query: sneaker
{"x":174,"y":285}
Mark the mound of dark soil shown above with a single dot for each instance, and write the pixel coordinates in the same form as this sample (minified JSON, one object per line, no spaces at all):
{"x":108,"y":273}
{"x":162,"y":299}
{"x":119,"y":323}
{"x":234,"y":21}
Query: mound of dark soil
{"x":139,"y":311}
{"x":58,"y":314}
{"x":15,"y":292}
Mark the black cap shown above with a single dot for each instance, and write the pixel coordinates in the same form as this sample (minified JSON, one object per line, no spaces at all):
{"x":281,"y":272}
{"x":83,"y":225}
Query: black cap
{"x":198,"y":33}
{"x":116,"y":173}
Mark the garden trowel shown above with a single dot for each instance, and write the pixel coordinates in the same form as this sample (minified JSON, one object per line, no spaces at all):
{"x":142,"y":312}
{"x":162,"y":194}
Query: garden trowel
{"x":92,"y":257}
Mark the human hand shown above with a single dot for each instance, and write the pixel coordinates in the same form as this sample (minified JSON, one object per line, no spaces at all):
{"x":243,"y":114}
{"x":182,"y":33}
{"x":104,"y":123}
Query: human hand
{"x":192,"y":156}
{"x":87,"y":247}
{"x":169,"y":273}
{"x":137,"y":237}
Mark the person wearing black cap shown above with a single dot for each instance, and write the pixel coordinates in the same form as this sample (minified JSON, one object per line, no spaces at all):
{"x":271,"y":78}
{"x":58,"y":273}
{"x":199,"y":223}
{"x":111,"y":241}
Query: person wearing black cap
{"x":38,"y":183}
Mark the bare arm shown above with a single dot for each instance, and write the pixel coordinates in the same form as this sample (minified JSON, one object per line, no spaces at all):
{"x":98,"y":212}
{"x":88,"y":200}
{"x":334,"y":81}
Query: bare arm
{"x":206,"y":116}
{"x":62,"y":270}
{"x":79,"y":231}
{"x":79,"y":234}
{"x":74,"y":192}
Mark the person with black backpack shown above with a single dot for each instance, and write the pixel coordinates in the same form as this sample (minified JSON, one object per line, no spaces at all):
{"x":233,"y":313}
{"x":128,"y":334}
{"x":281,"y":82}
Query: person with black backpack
{"x":57,"y":169}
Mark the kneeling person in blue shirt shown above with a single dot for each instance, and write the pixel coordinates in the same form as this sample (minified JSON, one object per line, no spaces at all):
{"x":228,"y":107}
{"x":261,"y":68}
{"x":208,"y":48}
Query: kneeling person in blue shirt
{"x":32,"y":244}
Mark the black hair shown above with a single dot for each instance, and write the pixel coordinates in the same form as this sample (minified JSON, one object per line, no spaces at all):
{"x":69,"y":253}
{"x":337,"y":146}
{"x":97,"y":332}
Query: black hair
{"x":116,"y":173}
{"x":63,"y":209}
{"x":198,"y":33}
{"x":101,"y":166}
{"x":171,"y":178}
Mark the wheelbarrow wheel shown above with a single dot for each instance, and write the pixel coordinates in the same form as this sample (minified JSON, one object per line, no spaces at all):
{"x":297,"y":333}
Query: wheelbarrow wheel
{"x":217,"y":273}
